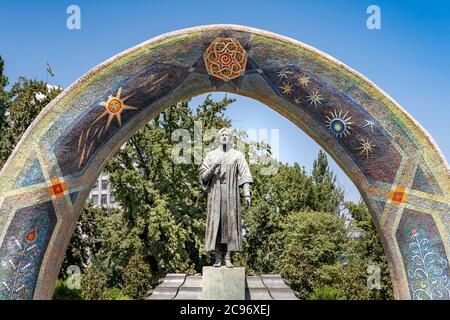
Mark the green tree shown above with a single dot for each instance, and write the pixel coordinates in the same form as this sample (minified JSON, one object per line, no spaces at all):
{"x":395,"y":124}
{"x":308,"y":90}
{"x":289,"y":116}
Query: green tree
{"x":4,"y":95}
{"x":137,"y":278}
{"x":163,"y":215}
{"x":5,"y":101}
{"x":275,"y":197}
{"x":85,"y":241}
{"x":28,"y":98}
{"x":328,"y":196}
{"x":93,"y":283}
{"x":268,"y":236}
{"x":115,"y":294}
{"x":368,"y":249}
{"x":313,"y":245}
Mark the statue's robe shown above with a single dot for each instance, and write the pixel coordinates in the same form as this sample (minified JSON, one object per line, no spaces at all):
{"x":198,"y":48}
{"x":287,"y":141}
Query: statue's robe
{"x":223,"y":221}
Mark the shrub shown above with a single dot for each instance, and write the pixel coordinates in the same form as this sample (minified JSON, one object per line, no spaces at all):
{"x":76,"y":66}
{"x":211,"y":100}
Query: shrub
{"x":115,"y":294}
{"x":137,"y":277}
{"x":326,"y":293}
{"x":62,"y":292}
{"x":93,"y":284}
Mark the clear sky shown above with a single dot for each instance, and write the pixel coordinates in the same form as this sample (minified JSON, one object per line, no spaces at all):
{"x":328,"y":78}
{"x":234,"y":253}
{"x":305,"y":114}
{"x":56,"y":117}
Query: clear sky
{"x":408,"y":58}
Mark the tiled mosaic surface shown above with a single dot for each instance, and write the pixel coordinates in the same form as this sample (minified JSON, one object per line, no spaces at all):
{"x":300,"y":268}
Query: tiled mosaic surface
{"x":394,"y":163}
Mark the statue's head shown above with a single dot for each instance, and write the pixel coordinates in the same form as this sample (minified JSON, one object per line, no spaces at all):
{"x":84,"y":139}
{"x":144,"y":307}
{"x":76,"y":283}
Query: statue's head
{"x":224,"y":136}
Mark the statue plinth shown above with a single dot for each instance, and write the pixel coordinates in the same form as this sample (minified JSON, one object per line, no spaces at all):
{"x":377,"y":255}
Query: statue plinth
{"x":223,"y":283}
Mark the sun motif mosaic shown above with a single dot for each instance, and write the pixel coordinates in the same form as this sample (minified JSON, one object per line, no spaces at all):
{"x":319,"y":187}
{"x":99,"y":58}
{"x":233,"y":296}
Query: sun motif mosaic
{"x":225,"y":59}
{"x":338,"y":122}
{"x":284,"y":74}
{"x":114,"y":106}
{"x":366,"y":146}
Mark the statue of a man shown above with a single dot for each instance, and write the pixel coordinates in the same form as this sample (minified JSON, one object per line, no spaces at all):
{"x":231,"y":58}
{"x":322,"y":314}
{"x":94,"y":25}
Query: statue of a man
{"x":223,"y":171}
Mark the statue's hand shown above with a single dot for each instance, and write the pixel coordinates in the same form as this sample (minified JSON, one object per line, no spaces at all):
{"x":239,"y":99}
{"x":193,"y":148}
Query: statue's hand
{"x":220,"y":161}
{"x":248,"y":201}
{"x":217,"y":164}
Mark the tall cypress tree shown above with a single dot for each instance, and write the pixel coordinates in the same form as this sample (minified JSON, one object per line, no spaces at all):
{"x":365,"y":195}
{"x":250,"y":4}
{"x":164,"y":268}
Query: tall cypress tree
{"x":4,"y":95}
{"x":328,"y":194}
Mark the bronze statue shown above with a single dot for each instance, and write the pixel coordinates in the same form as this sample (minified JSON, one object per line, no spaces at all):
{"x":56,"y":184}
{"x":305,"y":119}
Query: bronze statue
{"x":223,"y":171}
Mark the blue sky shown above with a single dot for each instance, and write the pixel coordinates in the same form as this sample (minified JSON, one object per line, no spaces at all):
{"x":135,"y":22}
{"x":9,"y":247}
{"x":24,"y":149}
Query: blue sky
{"x":408,"y":58}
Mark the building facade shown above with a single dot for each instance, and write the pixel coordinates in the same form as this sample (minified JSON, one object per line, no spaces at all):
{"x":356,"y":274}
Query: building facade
{"x":102,"y":194}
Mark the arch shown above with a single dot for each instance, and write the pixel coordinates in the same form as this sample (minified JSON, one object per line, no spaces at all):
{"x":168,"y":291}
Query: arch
{"x":394,"y":163}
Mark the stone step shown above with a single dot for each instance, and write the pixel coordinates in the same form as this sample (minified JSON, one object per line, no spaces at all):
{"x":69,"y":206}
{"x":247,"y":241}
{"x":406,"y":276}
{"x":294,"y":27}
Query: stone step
{"x":264,"y":287}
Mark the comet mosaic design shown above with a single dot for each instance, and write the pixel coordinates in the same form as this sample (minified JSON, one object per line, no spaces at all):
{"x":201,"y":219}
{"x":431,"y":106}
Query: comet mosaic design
{"x":394,"y":163}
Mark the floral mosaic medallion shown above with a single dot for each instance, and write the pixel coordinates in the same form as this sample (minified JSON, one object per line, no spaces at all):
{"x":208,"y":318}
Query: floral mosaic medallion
{"x":225,"y":59}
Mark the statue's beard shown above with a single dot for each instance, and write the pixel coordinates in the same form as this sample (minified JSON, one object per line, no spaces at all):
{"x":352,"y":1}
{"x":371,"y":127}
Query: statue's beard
{"x":225,"y":146}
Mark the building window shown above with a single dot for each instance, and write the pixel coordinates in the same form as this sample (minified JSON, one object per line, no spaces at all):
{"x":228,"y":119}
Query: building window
{"x":112,"y":198}
{"x":104,"y":202}
{"x":96,"y":185}
{"x":95,"y":200}
{"x":104,"y":184}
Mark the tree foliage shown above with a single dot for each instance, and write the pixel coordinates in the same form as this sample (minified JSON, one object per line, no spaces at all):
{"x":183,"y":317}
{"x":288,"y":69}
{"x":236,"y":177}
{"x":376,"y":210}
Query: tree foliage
{"x":368,"y":248}
{"x":63,"y":292}
{"x":5,"y":97}
{"x":295,"y":225}
{"x":326,"y":293}
{"x":85,"y":241}
{"x":277,"y":196}
{"x":136,"y":278}
{"x":163,"y":204}
{"x":19,"y":107}
{"x":93,"y":283}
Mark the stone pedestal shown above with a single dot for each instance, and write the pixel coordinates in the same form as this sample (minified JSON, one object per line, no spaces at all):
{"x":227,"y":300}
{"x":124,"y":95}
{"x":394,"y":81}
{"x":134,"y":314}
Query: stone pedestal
{"x":223,"y":283}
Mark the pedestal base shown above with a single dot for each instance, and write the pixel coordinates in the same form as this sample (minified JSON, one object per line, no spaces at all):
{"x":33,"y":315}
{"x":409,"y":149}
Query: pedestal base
{"x":223,"y":283}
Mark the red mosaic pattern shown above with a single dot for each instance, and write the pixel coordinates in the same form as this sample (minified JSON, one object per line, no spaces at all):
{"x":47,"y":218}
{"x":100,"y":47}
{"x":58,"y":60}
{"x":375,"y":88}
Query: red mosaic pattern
{"x":225,"y":58}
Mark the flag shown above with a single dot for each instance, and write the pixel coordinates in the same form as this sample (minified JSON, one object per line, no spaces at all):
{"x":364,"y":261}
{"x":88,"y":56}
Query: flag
{"x":49,"y":70}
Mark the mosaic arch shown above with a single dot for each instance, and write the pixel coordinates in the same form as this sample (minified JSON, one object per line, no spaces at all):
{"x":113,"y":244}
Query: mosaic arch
{"x":391,"y":159}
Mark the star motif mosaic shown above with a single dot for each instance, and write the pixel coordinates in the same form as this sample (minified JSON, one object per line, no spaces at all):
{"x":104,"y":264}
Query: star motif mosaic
{"x":284,"y":74}
{"x":369,"y":123}
{"x":315,"y":98}
{"x":286,"y":88}
{"x":303,"y":81}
